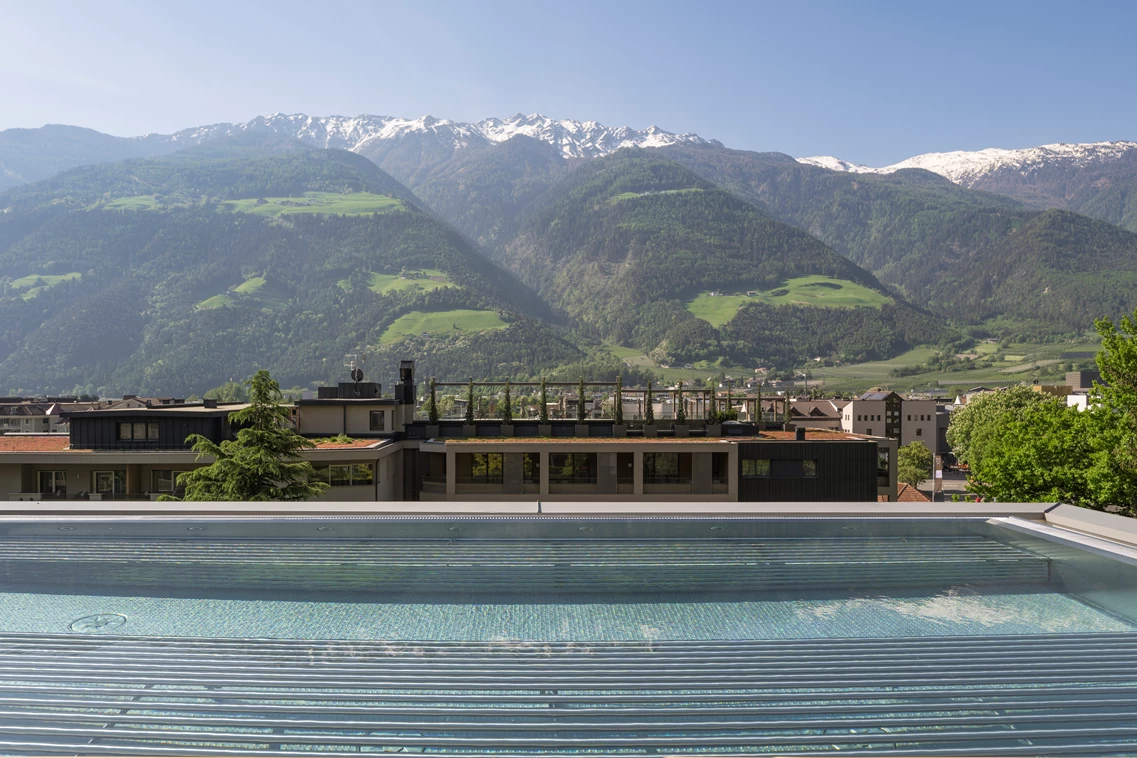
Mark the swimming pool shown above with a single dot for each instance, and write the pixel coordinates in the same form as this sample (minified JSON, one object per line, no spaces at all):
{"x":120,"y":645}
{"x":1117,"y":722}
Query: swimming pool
{"x":593,"y":635}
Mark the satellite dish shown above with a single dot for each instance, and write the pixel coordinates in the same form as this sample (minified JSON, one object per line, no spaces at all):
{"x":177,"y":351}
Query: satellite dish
{"x":357,"y":375}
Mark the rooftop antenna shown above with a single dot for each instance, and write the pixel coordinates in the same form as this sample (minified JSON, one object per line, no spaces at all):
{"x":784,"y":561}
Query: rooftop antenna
{"x":354,"y":364}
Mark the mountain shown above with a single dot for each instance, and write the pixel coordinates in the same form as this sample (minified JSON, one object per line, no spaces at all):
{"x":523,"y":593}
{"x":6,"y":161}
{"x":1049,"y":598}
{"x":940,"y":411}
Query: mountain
{"x":966,"y":254}
{"x":645,"y":253}
{"x":1098,"y":179}
{"x":173,"y":275}
{"x":29,"y":155}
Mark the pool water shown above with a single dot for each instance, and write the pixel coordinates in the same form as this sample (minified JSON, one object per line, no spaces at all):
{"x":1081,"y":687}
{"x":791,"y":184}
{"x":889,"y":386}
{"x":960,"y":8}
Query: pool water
{"x":564,"y":636}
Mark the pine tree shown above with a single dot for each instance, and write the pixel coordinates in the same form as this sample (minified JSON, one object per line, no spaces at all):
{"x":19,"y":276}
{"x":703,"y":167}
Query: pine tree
{"x":263,"y":462}
{"x":470,"y":403}
{"x":580,"y":415}
{"x":618,"y":411}
{"x":680,"y":411}
{"x":649,"y":411}
{"x":432,"y":407}
{"x":543,"y":412}
{"x":506,"y":406}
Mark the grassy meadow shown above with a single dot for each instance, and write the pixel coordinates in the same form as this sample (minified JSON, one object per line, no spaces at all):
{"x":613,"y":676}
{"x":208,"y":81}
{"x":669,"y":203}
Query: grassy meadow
{"x":442,"y":322}
{"x":815,"y":291}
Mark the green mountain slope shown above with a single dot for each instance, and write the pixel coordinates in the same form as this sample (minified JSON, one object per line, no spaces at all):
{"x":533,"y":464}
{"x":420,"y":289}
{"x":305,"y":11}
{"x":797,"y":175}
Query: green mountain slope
{"x":30,"y":155}
{"x":966,"y":254}
{"x":166,"y":275}
{"x":626,"y":244}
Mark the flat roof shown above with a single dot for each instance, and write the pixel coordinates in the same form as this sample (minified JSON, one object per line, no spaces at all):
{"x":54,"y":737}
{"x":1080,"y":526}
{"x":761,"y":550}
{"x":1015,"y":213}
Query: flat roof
{"x":222,"y":409}
{"x":811,"y":435}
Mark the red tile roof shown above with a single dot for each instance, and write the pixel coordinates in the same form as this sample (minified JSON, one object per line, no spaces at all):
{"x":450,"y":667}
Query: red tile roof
{"x":10,"y":443}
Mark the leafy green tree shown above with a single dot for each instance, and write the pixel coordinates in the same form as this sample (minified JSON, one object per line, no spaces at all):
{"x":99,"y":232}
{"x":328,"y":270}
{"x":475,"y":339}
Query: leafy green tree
{"x":432,"y":406}
{"x":230,"y":392}
{"x":914,"y":463}
{"x":649,"y":410}
{"x":618,"y":410}
{"x":470,"y":402}
{"x":543,"y":411}
{"x":580,"y":414}
{"x":1049,"y":452}
{"x":263,"y":462}
{"x":506,"y":405}
{"x":680,"y":410}
{"x":1117,"y":362}
{"x":972,"y":425}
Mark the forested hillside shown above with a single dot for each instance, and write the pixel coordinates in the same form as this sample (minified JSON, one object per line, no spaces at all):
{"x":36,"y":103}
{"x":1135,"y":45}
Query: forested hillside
{"x":968,"y":255}
{"x":176,"y":274}
{"x":624,"y":244}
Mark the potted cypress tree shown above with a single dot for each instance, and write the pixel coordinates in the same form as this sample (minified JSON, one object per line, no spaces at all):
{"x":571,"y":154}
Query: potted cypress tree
{"x":581,"y":427}
{"x":618,"y":427}
{"x":681,"y":427}
{"x":469,"y":429}
{"x":507,"y":412}
{"x":432,"y":411}
{"x":544,"y":428}
{"x":714,"y":418}
{"x":650,"y":429}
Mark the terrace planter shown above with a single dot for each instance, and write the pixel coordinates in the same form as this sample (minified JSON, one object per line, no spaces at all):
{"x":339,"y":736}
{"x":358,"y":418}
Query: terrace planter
{"x":544,"y":430}
{"x":507,"y":430}
{"x":682,"y":430}
{"x":469,"y":430}
{"x":432,"y":431}
{"x":714,"y":430}
{"x":619,"y":430}
{"x":651,"y":430}
{"x":581,"y":430}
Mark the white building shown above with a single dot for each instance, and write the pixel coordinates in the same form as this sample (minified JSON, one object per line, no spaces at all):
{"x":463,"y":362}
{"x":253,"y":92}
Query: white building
{"x":887,"y":414}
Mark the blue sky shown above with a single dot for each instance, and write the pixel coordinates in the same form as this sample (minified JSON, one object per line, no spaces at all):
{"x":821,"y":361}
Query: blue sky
{"x":872,"y":82}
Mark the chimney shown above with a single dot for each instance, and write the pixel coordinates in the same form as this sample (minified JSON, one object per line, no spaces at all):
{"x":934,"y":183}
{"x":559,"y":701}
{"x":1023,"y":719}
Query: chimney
{"x":209,"y":403}
{"x":799,"y":434}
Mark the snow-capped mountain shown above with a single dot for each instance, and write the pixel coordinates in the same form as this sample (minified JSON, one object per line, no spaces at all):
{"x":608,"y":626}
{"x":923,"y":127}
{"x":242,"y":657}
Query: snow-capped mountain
{"x":971,"y":168}
{"x":362,"y":134}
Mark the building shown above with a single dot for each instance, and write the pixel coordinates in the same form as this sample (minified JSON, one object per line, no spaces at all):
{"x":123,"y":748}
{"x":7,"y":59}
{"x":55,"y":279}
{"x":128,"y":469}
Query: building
{"x":890,"y":415}
{"x":370,"y":447}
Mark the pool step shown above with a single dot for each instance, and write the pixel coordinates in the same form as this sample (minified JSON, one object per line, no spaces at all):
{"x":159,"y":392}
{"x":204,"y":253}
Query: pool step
{"x":1004,"y":695}
{"x":530,"y":566}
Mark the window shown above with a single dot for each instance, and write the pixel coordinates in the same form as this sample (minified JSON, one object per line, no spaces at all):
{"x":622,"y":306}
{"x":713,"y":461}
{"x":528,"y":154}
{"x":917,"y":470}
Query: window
{"x":755,"y":467}
{"x":485,"y":468}
{"x":909,"y":416}
{"x":868,"y":432}
{"x":661,"y":467}
{"x":164,"y":481}
{"x":53,"y":483}
{"x":531,"y":468}
{"x":572,"y":468}
{"x":378,"y":421}
{"x":348,"y":475}
{"x":793,"y":469}
{"x":858,"y":417}
{"x":882,"y":465}
{"x":138,"y":431}
{"x":919,"y":431}
{"x":108,"y":482}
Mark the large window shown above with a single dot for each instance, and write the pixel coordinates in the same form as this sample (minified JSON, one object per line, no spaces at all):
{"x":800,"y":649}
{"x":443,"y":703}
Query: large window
{"x":165,"y":481}
{"x":138,"y":431}
{"x":109,"y":483}
{"x":53,"y":483}
{"x":378,"y":421}
{"x":755,"y":467}
{"x":348,"y":475}
{"x":572,"y":468}
{"x":661,"y":467}
{"x":485,"y":468}
{"x":792,"y":468}
{"x":531,"y":468}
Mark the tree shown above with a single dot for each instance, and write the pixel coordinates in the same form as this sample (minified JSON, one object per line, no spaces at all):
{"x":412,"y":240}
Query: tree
{"x":263,"y":462}
{"x":580,"y":415}
{"x":543,"y":411}
{"x":230,"y":392}
{"x":1117,"y":362}
{"x":680,"y":411}
{"x":972,"y":425}
{"x":618,"y":410}
{"x":470,"y":403}
{"x":432,"y":407}
{"x":506,"y":405}
{"x":1049,"y":452}
{"x":914,"y":463}
{"x":649,"y":411}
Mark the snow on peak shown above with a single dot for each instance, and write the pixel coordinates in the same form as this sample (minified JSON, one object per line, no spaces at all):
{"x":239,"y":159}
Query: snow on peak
{"x":574,"y":139}
{"x":969,"y":167}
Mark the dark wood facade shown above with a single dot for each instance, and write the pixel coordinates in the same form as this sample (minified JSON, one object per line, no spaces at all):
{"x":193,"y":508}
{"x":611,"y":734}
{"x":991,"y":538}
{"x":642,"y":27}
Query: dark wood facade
{"x":845,"y":471}
{"x":99,"y":430}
